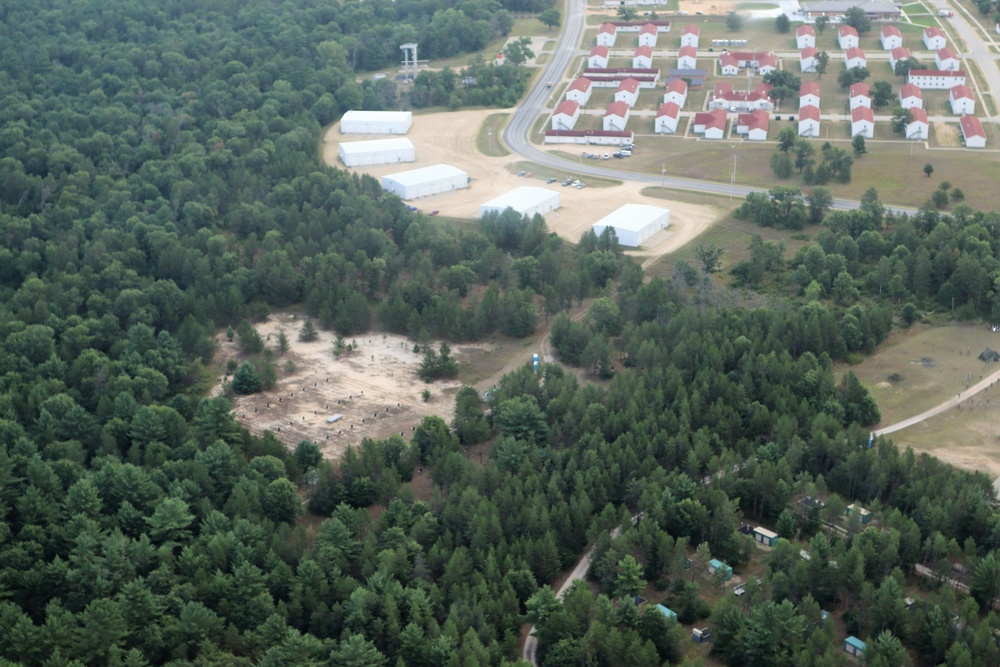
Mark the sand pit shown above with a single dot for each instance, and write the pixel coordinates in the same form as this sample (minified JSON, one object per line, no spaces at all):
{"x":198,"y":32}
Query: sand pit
{"x":714,"y":7}
{"x":492,"y":177}
{"x":375,"y":389}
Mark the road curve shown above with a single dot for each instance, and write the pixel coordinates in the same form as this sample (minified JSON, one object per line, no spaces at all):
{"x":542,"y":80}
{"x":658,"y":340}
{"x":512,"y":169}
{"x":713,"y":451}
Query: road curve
{"x":579,"y":572}
{"x":516,"y":133}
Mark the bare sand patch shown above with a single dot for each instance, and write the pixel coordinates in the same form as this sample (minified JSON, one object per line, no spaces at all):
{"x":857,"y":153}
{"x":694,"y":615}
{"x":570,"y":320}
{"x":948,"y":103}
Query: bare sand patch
{"x":946,"y":134}
{"x":376,"y":389}
{"x":450,"y":138}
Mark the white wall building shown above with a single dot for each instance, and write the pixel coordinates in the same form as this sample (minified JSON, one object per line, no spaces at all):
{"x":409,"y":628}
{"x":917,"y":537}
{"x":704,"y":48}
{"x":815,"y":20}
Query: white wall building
{"x":616,"y":117}
{"x":642,"y":57}
{"x":690,"y":35}
{"x":677,"y":92}
{"x":634,"y":223}
{"x":524,"y":200}
{"x":932,"y":79}
{"x":910,"y":97}
{"x":648,"y":34}
{"x":376,"y":122}
{"x":425,"y":181}
{"x":809,"y":93}
{"x":863,"y":122}
{"x":946,"y":59}
{"x":579,"y":90}
{"x":847,"y":37}
{"x":687,"y":58}
{"x":627,"y":92}
{"x":860,"y":96}
{"x":934,"y":38}
{"x":855,"y":57}
{"x":805,"y":36}
{"x":607,"y":34}
{"x":891,"y":38}
{"x":807,"y":59}
{"x":972,"y":132}
{"x":809,"y":121}
{"x":598,"y":57}
{"x":667,"y":117}
{"x":918,"y":127}
{"x":897,"y":54}
{"x":377,"y":151}
{"x":962,"y":101}
{"x":566,"y":115}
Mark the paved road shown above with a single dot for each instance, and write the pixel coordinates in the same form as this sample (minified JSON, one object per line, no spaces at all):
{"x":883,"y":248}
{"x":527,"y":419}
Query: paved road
{"x":938,"y":409}
{"x":516,"y":133}
{"x":979,"y":51}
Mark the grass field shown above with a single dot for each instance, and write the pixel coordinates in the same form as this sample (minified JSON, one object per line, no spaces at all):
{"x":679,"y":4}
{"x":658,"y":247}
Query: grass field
{"x":543,"y":173}
{"x":488,"y":140}
{"x":934,"y":362}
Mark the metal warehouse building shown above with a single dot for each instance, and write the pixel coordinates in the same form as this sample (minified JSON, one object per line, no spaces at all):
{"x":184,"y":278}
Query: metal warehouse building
{"x":425,"y":181}
{"x":525,"y":200}
{"x":376,"y":122}
{"x":634,"y":223}
{"x":377,"y":151}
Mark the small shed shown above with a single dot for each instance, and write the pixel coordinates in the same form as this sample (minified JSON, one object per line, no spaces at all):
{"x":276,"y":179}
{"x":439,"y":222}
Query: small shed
{"x":989,"y":356}
{"x":333,"y":419}
{"x":865,"y":515}
{"x":854,"y":646}
{"x":666,"y":611}
{"x":638,"y":600}
{"x":700,"y":635}
{"x":764,"y":536}
{"x":716,"y":565}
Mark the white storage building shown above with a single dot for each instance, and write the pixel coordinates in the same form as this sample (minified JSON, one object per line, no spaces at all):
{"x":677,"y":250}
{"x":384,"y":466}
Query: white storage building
{"x":376,"y":122}
{"x":425,"y":181}
{"x":634,"y":223}
{"x":377,"y":151}
{"x":525,"y":200}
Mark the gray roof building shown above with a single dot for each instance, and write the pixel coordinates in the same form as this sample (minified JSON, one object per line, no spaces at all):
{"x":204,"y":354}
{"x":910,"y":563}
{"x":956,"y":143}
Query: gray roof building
{"x":875,"y":10}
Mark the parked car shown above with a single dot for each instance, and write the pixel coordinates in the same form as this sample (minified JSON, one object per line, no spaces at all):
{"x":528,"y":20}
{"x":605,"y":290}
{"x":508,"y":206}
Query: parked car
{"x":567,"y":182}
{"x":435,"y":212}
{"x":411,"y":208}
{"x":551,"y":180}
{"x":732,"y":109}
{"x":619,"y":155}
{"x":607,"y":156}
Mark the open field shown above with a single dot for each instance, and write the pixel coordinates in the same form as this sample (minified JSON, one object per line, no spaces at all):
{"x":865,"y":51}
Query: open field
{"x":934,"y":363}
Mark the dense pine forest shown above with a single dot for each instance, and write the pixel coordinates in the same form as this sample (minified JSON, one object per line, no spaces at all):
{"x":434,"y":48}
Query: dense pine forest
{"x":159,"y":183}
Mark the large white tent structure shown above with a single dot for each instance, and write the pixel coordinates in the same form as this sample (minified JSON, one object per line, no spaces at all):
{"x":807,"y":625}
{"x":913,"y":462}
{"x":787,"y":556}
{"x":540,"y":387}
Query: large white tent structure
{"x":376,"y":151}
{"x":634,"y":223}
{"x":525,"y":200}
{"x":376,"y":122}
{"x":425,"y":181}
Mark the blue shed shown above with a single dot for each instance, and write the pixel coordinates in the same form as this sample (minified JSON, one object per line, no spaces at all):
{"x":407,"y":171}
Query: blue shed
{"x":700,"y":635}
{"x":854,"y":646}
{"x":714,"y":565}
{"x":765,"y":536}
{"x":669,"y":613}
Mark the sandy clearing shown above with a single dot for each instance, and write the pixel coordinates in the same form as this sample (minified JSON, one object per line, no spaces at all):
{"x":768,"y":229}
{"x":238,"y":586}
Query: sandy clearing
{"x":716,"y":7}
{"x":377,"y":387}
{"x":492,"y":177}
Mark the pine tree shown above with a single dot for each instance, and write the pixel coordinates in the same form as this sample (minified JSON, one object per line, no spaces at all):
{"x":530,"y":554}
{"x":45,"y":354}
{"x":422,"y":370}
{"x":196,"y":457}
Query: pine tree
{"x":308,"y":332}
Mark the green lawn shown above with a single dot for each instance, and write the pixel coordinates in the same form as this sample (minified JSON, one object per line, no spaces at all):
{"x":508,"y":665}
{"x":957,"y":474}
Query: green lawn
{"x":488,"y":140}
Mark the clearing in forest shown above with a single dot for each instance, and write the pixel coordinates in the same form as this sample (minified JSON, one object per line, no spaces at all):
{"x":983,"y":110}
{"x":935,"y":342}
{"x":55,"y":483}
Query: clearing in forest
{"x":375,"y":388}
{"x":923,"y":366}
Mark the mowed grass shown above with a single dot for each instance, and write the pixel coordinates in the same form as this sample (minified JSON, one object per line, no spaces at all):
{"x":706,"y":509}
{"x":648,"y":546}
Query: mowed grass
{"x":488,"y":140}
{"x":543,"y":173}
{"x":728,"y":233}
{"x":966,"y":436}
